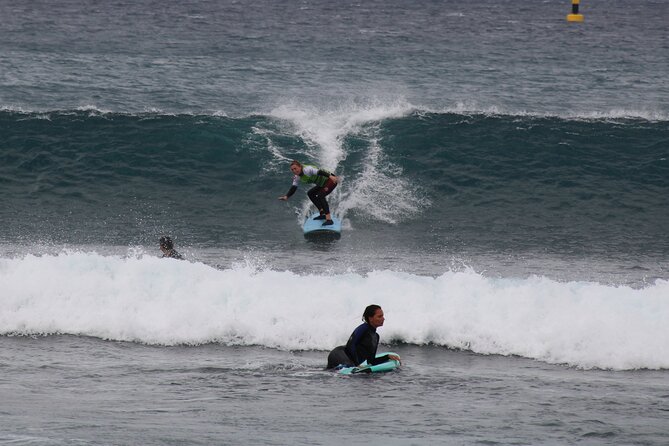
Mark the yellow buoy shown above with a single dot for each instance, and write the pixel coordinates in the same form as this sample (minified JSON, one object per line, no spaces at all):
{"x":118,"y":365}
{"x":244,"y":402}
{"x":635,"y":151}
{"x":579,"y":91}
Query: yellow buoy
{"x":575,"y":16}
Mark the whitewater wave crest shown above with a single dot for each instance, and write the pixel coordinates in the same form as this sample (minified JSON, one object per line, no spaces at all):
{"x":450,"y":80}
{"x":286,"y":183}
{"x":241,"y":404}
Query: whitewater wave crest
{"x":166,"y":302}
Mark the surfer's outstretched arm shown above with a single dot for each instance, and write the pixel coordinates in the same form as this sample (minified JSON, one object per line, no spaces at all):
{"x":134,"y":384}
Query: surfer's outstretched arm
{"x":290,"y":192}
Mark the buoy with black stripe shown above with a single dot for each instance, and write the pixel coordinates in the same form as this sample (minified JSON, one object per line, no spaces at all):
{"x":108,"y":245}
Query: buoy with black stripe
{"x":575,"y":16}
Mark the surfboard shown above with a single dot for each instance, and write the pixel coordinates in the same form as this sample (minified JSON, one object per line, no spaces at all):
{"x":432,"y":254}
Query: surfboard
{"x":315,"y":228}
{"x":387,"y":366}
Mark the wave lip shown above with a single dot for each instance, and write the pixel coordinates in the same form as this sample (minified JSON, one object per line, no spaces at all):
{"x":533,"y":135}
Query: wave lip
{"x":326,"y":125}
{"x":165,"y":302}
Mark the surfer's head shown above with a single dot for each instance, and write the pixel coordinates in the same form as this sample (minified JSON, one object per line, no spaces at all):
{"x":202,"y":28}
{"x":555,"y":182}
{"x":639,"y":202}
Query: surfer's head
{"x":166,"y":243}
{"x":373,"y":315}
{"x":296,"y":167}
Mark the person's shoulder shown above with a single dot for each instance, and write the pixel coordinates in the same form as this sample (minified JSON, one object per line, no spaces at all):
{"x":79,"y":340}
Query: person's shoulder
{"x":360,"y":329}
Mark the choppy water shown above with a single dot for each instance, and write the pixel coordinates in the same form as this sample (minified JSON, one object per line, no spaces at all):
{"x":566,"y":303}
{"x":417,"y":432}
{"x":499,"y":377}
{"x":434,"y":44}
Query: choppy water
{"x":504,"y":196}
{"x":87,"y":391}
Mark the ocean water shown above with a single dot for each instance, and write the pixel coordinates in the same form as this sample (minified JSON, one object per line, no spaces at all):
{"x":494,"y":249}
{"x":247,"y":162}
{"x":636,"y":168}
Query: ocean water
{"x":504,"y":183}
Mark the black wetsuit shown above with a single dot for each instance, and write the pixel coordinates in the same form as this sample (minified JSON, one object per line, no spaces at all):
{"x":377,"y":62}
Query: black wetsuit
{"x":173,"y":254}
{"x":361,"y":346}
{"x":317,"y":196}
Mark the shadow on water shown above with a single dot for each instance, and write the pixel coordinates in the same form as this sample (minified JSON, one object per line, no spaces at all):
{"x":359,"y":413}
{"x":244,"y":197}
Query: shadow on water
{"x":322,"y":241}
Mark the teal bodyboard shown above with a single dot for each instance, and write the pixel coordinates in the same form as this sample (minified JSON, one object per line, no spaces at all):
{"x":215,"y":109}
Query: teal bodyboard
{"x":315,"y":228}
{"x":387,"y":366}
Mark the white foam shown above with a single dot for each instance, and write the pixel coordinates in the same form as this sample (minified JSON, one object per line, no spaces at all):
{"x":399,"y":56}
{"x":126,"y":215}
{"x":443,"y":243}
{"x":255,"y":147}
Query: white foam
{"x":381,"y":191}
{"x":160,"y":301}
{"x":94,"y":110}
{"x":325,"y":128}
{"x":373,"y":193}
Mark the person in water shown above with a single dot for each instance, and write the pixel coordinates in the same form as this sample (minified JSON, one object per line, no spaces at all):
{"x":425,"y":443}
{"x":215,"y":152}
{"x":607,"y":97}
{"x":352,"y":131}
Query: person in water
{"x":362,"y":343}
{"x":324,"y":181}
{"x":167,"y":247}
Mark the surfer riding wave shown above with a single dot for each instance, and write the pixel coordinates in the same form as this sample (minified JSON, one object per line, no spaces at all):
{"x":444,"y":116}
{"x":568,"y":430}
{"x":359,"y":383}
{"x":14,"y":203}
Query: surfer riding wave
{"x":324,"y":181}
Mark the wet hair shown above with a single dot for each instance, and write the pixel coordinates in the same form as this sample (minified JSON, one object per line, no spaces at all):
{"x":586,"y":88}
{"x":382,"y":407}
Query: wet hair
{"x":295,"y":163}
{"x":369,"y":312}
{"x":166,"y":242}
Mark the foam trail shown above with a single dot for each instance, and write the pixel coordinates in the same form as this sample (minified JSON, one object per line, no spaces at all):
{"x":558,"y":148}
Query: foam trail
{"x":381,"y":192}
{"x":326,"y":128}
{"x":166,"y":302}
